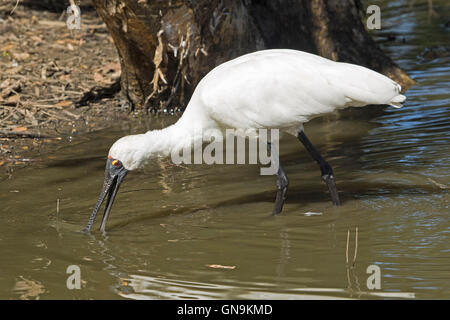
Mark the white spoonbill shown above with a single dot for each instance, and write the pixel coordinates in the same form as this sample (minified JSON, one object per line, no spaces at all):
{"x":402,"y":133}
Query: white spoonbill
{"x":272,"y":89}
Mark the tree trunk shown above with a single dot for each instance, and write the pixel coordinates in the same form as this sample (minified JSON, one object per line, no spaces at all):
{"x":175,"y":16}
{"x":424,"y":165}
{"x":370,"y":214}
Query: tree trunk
{"x":166,"y":47}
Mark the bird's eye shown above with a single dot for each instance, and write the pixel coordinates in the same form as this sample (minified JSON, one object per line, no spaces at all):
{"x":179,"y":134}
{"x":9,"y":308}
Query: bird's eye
{"x":116,"y":163}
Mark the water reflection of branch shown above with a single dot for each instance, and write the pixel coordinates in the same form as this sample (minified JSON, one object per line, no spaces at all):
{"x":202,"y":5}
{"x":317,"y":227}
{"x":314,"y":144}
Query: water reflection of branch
{"x":352,"y":267}
{"x":284,"y":252}
{"x":356,"y":247}
{"x":164,"y":180}
{"x":431,"y":11}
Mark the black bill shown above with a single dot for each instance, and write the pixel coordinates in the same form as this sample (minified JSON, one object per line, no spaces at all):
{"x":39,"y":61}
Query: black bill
{"x":114,"y":175}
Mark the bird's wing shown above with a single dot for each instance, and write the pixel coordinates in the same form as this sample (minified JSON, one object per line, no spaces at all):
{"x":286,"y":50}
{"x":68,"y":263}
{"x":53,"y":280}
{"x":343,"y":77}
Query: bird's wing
{"x":284,"y":88}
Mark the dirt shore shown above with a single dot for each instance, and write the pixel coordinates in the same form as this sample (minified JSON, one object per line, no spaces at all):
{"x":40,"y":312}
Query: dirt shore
{"x":45,"y":68}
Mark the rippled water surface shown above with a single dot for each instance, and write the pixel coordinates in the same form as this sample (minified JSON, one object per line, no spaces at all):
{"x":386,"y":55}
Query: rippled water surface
{"x":170,"y":225}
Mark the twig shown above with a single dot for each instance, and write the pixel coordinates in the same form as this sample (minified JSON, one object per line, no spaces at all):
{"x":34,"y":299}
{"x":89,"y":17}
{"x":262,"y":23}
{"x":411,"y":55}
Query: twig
{"x":46,"y":106}
{"x":55,"y":116}
{"x":346,"y":251}
{"x":440,"y":185}
{"x":12,"y":134}
{"x":17,"y":3}
{"x":70,"y":114}
{"x":356,"y":247}
{"x":11,"y":112}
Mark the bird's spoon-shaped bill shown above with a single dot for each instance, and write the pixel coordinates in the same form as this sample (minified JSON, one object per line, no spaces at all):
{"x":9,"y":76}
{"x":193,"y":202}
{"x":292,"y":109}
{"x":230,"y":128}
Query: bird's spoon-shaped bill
{"x":114,"y":175}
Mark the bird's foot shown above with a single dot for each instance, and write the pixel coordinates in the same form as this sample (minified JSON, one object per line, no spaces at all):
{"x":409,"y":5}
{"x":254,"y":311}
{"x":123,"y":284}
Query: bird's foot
{"x":329,"y":180}
{"x":279,"y":202}
{"x":282,"y":186}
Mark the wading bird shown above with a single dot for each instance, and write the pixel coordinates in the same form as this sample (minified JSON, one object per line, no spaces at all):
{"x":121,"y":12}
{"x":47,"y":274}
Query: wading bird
{"x":271,"y":89}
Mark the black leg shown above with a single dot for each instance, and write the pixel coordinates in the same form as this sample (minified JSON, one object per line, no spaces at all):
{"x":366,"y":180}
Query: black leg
{"x":327,"y":171}
{"x":282,"y":183}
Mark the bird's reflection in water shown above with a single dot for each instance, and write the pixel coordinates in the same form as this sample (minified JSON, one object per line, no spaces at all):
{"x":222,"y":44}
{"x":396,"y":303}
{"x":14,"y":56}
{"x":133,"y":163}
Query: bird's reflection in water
{"x":285,"y":246}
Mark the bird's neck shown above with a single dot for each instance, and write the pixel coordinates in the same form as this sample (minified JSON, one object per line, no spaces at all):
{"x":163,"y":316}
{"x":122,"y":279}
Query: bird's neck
{"x":136,"y":151}
{"x":174,"y":138}
{"x":188,"y":131}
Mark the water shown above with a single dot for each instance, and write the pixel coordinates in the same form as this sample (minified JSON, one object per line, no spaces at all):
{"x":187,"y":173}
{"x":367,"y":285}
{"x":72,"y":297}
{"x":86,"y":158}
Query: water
{"x":170,"y":224}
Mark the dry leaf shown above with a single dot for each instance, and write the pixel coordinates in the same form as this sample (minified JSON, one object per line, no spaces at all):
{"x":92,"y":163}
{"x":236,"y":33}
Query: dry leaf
{"x":36,"y":38}
{"x":219,"y":266}
{"x":98,"y":77}
{"x":34,"y":20}
{"x":5,"y":84}
{"x":8,"y":47}
{"x":64,"y":103}
{"x":66,"y":41}
{"x":309,"y":214}
{"x":13,"y":99}
{"x":8,"y":87}
{"x":20,"y":129}
{"x":64,"y":77}
{"x":21,"y":56}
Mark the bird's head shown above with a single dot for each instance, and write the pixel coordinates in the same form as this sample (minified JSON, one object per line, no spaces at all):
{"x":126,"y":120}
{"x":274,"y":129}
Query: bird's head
{"x":130,"y":151}
{"x":122,"y":157}
{"x":126,"y":154}
{"x":115,"y":172}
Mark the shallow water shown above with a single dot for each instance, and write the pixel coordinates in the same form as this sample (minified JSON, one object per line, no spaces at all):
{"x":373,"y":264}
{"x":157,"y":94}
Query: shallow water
{"x":169,"y":223}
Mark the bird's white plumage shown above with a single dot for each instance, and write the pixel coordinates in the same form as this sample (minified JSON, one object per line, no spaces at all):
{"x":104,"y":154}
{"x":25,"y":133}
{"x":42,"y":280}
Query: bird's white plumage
{"x":267,"y":89}
{"x":284,"y":88}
